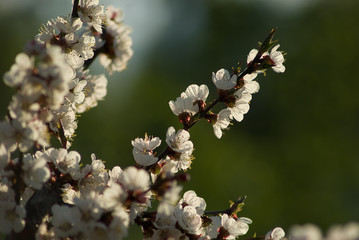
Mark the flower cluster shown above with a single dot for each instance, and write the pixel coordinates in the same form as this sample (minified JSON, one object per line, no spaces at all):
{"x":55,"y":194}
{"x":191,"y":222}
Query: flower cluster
{"x":234,"y":90}
{"x":48,"y":193}
{"x":53,"y":86}
{"x":116,"y":44}
{"x":76,"y":201}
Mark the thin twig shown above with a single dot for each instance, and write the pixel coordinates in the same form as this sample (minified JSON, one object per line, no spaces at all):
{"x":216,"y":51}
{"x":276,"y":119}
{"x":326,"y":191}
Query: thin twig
{"x":74,"y":13}
{"x":228,"y":211}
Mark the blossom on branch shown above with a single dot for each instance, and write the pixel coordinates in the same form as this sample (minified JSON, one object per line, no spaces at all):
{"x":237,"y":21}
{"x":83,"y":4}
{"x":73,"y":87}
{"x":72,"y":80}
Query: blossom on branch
{"x":223,"y":80}
{"x":92,"y":13}
{"x":275,"y":234}
{"x":115,"y":43}
{"x":143,"y":150}
{"x":221,"y":122}
{"x":61,"y":198}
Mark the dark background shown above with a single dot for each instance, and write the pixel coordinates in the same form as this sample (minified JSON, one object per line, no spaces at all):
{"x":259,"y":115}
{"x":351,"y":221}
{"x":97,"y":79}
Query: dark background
{"x":295,"y":154}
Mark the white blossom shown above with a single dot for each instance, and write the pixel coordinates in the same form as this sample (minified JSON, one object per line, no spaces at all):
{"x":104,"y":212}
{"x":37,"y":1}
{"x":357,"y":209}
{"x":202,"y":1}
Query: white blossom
{"x":12,"y":217}
{"x":223,"y":120}
{"x":115,"y":175}
{"x":69,"y":193}
{"x":36,"y":171}
{"x":181,"y":163}
{"x":96,"y":178}
{"x":275,"y":234}
{"x":189,"y":211}
{"x":95,"y":90}
{"x":165,"y":221}
{"x":55,"y":27}
{"x":179,"y":142}
{"x":69,"y":164}
{"x":305,"y":232}
{"x":89,"y":208}
{"x":275,"y":56}
{"x":85,"y":46}
{"x":196,"y":92}
{"x":137,"y":208}
{"x":66,"y":162}
{"x":19,"y":71}
{"x":278,"y":59}
{"x":76,"y":95}
{"x":113,"y":197}
{"x":118,"y":228}
{"x":135,"y":179}
{"x":183,"y":104}
{"x":77,"y":48}
{"x":188,"y":219}
{"x":43,"y":233}
{"x":349,"y":231}
{"x":223,"y":80}
{"x":65,"y":220}
{"x":169,"y":200}
{"x":66,"y":116}
{"x":234,"y":227}
{"x":119,"y":46}
{"x":212,"y":229}
{"x":7,"y":194}
{"x":143,"y":150}
{"x":248,"y":78}
{"x":17,"y":134}
{"x":190,"y":198}
{"x":114,"y":14}
{"x":92,"y":13}
{"x":4,"y":160}
{"x":249,"y":85}
{"x":241,"y":105}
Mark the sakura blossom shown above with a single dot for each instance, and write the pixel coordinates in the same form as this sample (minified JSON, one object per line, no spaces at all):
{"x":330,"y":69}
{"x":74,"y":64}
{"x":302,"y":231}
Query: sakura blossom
{"x":36,"y":172}
{"x":94,"y":91}
{"x":189,"y":219}
{"x":64,"y":33}
{"x":179,"y":142}
{"x":92,"y":13}
{"x":222,"y":122}
{"x":278,"y":59}
{"x":135,"y":179}
{"x":197,"y":93}
{"x":241,"y":105}
{"x":223,"y":80}
{"x":234,"y":227}
{"x":118,"y":46}
{"x":275,"y":234}
{"x":143,"y":150}
{"x":183,"y":104}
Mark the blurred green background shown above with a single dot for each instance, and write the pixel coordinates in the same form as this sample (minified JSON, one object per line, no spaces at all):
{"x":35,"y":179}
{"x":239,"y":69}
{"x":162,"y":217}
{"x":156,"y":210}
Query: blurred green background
{"x":295,"y":155}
